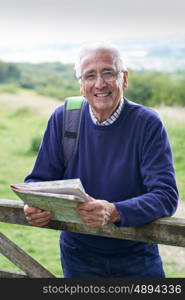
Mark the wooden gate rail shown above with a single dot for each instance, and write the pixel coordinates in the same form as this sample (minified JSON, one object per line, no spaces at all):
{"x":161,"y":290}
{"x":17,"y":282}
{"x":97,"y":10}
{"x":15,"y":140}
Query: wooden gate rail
{"x":22,"y":260}
{"x":167,"y":231}
{"x":10,"y":274}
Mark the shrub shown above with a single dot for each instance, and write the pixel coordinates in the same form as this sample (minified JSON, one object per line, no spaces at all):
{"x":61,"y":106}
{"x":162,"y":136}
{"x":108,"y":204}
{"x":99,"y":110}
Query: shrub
{"x":35,"y":144}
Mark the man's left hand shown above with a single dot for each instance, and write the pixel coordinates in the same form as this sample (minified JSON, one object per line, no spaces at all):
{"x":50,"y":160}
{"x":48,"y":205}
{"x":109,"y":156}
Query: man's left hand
{"x":97,"y":213}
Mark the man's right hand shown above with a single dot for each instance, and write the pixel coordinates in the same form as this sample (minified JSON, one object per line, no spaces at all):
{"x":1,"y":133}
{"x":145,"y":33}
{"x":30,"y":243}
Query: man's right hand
{"x":36,"y":216}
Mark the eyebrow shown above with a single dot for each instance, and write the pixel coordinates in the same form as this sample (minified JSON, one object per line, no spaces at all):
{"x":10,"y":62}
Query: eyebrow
{"x":105,"y":69}
{"x":108,"y":69}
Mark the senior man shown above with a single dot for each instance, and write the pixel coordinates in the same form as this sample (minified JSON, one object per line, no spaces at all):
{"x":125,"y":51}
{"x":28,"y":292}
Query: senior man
{"x":124,"y":161}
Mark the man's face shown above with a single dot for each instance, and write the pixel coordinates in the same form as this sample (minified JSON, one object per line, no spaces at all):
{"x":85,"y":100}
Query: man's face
{"x":103,"y":96}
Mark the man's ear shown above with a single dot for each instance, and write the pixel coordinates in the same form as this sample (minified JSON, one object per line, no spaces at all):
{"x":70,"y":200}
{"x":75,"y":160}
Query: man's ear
{"x":125,"y":82}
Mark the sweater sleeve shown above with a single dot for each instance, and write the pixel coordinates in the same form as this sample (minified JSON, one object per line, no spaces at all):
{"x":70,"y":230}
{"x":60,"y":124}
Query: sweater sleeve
{"x":49,"y":164}
{"x":158,"y":177}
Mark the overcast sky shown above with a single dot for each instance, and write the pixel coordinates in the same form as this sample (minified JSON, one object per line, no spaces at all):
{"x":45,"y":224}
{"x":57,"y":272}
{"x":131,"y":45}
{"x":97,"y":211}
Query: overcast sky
{"x":27,"y":24}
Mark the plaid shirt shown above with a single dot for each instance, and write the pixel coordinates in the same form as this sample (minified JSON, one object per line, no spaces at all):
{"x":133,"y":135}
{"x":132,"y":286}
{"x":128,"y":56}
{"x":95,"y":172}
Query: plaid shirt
{"x":111,"y":119}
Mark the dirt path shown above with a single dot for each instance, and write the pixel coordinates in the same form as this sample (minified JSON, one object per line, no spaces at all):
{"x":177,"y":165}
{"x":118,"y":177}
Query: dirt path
{"x":36,"y":103}
{"x":173,"y":114}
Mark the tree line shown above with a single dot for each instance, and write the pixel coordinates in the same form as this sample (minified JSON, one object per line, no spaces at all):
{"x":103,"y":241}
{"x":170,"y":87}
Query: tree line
{"x":58,"y":80}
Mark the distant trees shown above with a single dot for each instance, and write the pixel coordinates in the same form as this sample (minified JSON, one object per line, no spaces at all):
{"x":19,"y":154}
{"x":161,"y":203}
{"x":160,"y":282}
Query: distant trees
{"x":51,"y":79}
{"x":8,"y":72}
{"x":155,"y":88}
{"x":58,"y":80}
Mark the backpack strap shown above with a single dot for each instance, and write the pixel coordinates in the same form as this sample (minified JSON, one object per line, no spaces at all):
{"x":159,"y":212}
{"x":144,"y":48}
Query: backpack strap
{"x":73,"y":108}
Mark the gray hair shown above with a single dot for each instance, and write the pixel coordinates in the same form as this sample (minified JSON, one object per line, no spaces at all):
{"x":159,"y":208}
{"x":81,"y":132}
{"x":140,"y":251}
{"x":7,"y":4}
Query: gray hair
{"x":99,"y":46}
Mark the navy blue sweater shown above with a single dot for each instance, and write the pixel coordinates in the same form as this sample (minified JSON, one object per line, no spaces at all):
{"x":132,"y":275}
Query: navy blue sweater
{"x":128,"y":163}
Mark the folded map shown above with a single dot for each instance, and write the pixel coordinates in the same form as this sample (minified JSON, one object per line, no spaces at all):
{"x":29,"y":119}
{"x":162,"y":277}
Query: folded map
{"x":61,"y":197}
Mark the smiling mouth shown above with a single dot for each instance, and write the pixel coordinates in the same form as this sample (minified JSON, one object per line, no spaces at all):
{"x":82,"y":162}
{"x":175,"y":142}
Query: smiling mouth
{"x":102,"y":95}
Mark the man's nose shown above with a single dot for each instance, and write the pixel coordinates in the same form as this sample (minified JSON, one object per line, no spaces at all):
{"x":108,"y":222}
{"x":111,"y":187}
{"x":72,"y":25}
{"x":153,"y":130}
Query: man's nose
{"x":100,"y":82}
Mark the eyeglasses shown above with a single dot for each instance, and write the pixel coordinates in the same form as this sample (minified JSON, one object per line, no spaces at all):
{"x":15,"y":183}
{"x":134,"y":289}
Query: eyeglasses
{"x":107,"y":76}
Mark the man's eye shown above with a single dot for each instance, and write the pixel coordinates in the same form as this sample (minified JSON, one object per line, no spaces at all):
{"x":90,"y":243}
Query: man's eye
{"x":108,"y":73}
{"x":90,"y":76}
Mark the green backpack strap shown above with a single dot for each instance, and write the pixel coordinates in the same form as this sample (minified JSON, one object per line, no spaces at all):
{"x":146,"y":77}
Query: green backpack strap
{"x":73,"y":109}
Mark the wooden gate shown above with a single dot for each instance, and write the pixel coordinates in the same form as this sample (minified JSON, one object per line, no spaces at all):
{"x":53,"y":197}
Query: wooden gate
{"x":167,"y":231}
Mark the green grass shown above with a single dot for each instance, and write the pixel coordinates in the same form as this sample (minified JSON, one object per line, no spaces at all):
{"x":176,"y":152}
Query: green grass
{"x":172,"y":270}
{"x":18,"y":129}
{"x":9,"y":88}
{"x":176,"y":132}
{"x":41,"y":244}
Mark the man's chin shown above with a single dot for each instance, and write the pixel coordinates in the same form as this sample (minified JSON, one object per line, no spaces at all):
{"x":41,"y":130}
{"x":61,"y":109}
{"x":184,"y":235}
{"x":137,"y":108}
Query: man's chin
{"x":102,"y":108}
{"x":103,"y":105}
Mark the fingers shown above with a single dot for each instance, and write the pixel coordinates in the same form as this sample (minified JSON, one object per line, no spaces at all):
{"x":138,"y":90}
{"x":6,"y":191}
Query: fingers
{"x":31,"y":209}
{"x":96,"y":222}
{"x":94,"y":213}
{"x":36,"y":216}
{"x":91,"y":204}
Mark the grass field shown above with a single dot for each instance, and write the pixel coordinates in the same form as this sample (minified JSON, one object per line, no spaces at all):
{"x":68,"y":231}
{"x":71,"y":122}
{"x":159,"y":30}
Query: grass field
{"x":22,"y":120}
{"x":23,"y":117}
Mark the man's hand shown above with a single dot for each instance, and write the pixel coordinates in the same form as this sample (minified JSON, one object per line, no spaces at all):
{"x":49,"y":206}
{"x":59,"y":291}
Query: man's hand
{"x":97,"y":213}
{"x":36,"y":216}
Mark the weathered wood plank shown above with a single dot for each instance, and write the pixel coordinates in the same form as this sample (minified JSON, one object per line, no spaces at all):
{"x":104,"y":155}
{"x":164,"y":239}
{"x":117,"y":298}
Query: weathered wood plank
{"x":168,"y":230}
{"x":163,"y":231}
{"x":21,"y":259}
{"x":11,"y":211}
{"x":11,"y":274}
{"x":11,"y":203}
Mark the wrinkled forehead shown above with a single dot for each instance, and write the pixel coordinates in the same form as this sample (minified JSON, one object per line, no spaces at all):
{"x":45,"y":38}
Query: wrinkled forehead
{"x":97,"y":60}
